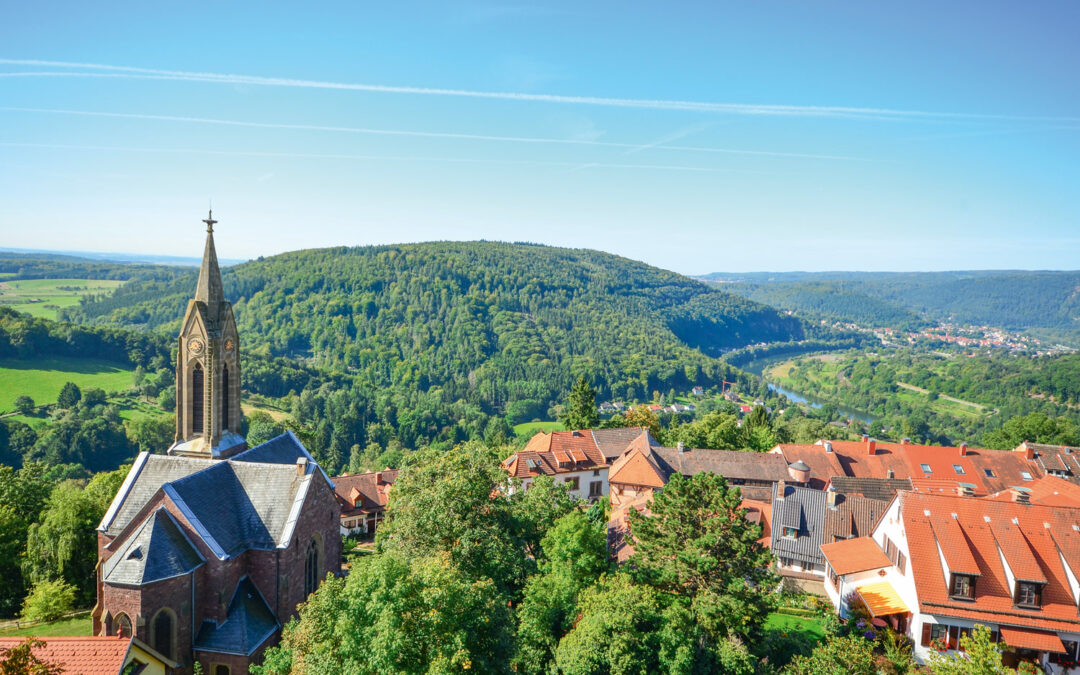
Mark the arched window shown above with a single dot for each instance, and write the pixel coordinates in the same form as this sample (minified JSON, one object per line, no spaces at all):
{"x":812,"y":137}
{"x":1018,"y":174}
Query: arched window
{"x":161,"y":634}
{"x":221,"y":670}
{"x":311,"y":568}
{"x":197,"y":399}
{"x":224,"y":399}
{"x":122,"y":625}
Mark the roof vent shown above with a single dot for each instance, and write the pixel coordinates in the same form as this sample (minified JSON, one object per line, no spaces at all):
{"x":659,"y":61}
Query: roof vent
{"x":681,"y":446}
{"x":828,"y":446}
{"x":890,"y":474}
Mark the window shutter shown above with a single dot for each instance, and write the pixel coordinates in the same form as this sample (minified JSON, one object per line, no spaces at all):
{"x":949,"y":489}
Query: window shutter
{"x":925,"y":634}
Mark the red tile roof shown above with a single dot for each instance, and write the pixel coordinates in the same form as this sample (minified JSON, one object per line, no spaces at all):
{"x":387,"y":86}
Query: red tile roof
{"x":362,"y":493}
{"x":1048,"y":490}
{"x":1038,"y":536}
{"x":905,"y":460}
{"x":575,"y":450}
{"x":855,"y":555}
{"x":99,"y":655}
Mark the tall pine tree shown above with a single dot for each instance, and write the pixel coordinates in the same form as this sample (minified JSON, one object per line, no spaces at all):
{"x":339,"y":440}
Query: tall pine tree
{"x":581,"y":409}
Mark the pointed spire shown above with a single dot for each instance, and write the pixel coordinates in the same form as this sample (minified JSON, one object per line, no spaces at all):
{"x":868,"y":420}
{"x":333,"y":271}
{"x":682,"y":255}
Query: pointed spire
{"x":209,"y":289}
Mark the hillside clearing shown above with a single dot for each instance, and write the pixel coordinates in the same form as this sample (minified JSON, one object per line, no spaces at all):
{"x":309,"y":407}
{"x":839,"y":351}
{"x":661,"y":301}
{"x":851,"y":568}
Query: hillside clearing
{"x":43,"y":297}
{"x":42,"y":378}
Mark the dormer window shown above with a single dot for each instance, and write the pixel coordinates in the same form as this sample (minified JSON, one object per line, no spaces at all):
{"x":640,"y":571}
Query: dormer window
{"x":963,"y":587}
{"x":1028,"y":594}
{"x":958,"y":469}
{"x":790,"y":532}
{"x":926,"y":468}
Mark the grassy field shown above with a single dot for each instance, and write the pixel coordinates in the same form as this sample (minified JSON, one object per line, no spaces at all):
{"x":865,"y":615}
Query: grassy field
{"x":42,"y":378}
{"x":528,"y":429}
{"x":42,"y":297}
{"x":787,"y":623}
{"x":274,"y":413}
{"x":79,"y":625}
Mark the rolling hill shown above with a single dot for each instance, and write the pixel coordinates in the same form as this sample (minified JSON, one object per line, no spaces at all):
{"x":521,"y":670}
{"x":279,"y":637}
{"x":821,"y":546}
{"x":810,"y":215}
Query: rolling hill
{"x":489,"y":322}
{"x":1044,"y":303}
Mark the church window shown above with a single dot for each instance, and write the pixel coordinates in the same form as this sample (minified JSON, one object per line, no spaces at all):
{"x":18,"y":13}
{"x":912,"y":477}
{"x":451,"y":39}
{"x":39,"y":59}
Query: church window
{"x":162,"y":633}
{"x":225,"y":399}
{"x":311,"y":569}
{"x":122,"y":625}
{"x":197,"y":399}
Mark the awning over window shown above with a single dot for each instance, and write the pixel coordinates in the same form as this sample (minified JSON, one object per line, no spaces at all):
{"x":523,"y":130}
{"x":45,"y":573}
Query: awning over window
{"x":882,"y":599}
{"x":1040,"y":641}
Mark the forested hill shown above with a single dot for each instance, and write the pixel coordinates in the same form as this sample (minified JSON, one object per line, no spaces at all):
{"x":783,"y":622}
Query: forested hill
{"x":1048,"y":302}
{"x":493,"y":322}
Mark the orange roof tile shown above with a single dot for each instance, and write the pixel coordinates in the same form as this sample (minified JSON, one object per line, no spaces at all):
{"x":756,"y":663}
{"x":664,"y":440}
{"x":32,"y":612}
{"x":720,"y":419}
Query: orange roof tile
{"x":855,"y":555}
{"x":1048,"y":533}
{"x":636,"y":467}
{"x":953,"y":544}
{"x":574,"y":450}
{"x":364,"y":492}
{"x":98,"y":655}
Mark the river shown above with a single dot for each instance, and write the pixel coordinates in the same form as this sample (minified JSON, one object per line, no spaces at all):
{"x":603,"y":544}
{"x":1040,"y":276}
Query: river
{"x":758,"y":368}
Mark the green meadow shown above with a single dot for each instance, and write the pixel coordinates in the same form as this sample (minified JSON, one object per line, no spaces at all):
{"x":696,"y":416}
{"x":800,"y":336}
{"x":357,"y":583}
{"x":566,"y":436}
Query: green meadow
{"x":42,"y":378}
{"x":43,"y":297}
{"x":529,"y":429}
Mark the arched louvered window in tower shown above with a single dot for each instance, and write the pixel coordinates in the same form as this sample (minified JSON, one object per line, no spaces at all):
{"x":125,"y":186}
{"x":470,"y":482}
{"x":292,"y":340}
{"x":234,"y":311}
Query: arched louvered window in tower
{"x":224,"y":399}
{"x":197,"y":399}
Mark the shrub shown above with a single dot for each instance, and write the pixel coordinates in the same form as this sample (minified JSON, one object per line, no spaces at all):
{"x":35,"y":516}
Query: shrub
{"x":48,"y":601}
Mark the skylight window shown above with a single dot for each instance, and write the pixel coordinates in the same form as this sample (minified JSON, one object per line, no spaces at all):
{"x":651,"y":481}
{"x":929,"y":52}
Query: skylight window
{"x":926,"y":468}
{"x":989,"y":473}
{"x":958,"y":469}
{"x":1025,"y":475}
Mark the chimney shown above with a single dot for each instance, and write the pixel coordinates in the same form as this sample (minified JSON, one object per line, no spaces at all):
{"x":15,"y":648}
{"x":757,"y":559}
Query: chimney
{"x":301,"y":467}
{"x":828,"y":446}
{"x":378,"y":478}
{"x":865,"y":437}
{"x":871,"y":446}
{"x":830,"y":497}
{"x":681,"y":446}
{"x":905,"y":441}
{"x":781,"y":486}
{"x":963,"y":449}
{"x":1029,"y":452}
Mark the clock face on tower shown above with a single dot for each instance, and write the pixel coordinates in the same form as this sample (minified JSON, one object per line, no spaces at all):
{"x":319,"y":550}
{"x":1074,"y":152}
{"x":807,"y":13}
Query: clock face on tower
{"x":229,"y":344}
{"x":195,"y":345}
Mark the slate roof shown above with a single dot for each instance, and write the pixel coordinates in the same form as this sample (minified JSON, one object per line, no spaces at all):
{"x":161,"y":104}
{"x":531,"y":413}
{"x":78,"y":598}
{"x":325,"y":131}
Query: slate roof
{"x":99,"y":655}
{"x":248,"y":623}
{"x":881,"y":489}
{"x":803,"y":509}
{"x":157,"y":550}
{"x":1035,"y":540}
{"x":249,"y":501}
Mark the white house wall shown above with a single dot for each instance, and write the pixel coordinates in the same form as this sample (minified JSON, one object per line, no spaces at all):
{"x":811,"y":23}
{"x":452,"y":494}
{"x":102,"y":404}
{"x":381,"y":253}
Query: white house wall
{"x":584,"y":478}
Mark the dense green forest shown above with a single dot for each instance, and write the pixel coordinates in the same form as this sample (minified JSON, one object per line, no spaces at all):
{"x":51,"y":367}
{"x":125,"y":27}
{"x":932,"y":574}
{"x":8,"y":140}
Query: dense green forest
{"x":1047,"y":303}
{"x":935,"y":398}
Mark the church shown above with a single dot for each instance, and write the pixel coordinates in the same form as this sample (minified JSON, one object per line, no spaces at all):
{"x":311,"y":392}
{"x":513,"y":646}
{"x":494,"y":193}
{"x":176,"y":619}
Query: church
{"x":206,"y":550}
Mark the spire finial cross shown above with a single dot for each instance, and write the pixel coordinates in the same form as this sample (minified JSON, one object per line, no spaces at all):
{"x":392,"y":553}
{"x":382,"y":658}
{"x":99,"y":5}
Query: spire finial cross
{"x":210,"y":222}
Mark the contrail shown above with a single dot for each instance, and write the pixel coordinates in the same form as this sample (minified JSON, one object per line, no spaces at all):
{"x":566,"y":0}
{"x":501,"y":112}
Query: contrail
{"x":381,"y":158}
{"x":694,"y":106}
{"x":633,"y":147}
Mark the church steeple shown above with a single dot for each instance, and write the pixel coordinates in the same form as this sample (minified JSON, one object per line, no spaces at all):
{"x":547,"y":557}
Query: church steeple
{"x":208,"y":368}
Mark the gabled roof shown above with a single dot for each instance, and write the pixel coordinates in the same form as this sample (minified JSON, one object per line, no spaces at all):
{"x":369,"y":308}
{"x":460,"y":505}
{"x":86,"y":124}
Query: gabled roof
{"x":158,"y":550}
{"x":638,"y":467}
{"x":1048,"y":533}
{"x":364,"y":492}
{"x":248,"y":623}
{"x":574,"y":450}
{"x":250,"y":501}
{"x":852,"y":516}
{"x":98,"y":655}
{"x":1061,"y":460}
{"x":803,"y":509}
{"x":881,"y":489}
{"x":1048,"y":490}
{"x":855,"y":555}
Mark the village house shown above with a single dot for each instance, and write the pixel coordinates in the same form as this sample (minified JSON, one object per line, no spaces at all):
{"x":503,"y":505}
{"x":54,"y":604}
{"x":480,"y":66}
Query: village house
{"x":579,"y":459}
{"x":98,"y":655}
{"x":936,"y":565}
{"x":363,"y":498}
{"x":205,"y":552}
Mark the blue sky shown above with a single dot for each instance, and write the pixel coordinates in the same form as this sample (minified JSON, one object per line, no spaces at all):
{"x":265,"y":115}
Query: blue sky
{"x":697,"y":137}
